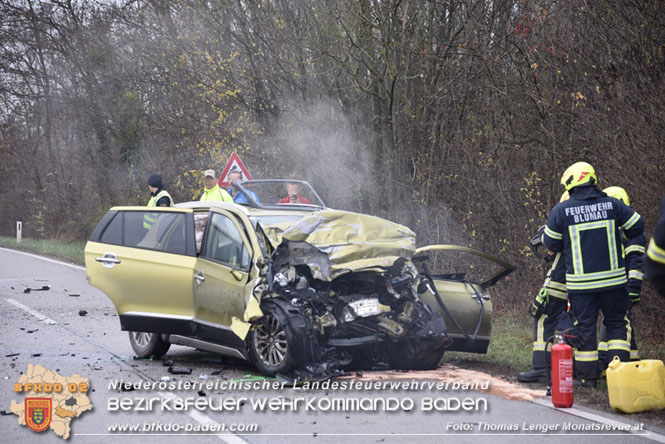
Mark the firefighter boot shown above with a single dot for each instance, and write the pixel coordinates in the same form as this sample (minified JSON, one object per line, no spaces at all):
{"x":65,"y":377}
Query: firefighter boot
{"x":533,"y":375}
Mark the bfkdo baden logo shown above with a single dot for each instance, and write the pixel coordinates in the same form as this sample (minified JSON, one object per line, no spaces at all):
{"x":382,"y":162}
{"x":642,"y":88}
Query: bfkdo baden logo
{"x":52,"y":401}
{"x":38,"y":413}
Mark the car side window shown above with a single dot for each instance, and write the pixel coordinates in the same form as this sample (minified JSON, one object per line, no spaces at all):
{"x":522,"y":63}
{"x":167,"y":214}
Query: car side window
{"x":224,"y":243}
{"x":164,"y":231}
{"x":113,"y":232}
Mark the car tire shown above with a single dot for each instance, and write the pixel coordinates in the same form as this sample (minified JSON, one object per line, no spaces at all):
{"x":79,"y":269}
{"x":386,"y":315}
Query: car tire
{"x":148,"y":344}
{"x":269,"y":347}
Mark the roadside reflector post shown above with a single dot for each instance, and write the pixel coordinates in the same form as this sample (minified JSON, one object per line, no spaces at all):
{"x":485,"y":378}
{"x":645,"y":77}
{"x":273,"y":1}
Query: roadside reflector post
{"x":19,"y":231}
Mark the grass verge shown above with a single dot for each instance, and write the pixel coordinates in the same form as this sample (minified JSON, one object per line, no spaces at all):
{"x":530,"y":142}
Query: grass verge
{"x":67,"y":250}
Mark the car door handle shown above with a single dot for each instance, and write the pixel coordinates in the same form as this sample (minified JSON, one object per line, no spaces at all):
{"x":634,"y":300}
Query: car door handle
{"x":199,"y":277}
{"x":108,"y":260}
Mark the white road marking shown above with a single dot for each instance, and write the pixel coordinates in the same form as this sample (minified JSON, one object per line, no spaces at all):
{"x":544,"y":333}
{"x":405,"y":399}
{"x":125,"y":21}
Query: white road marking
{"x":76,"y":267}
{"x":199,"y":417}
{"x":601,"y":419}
{"x":35,"y":313}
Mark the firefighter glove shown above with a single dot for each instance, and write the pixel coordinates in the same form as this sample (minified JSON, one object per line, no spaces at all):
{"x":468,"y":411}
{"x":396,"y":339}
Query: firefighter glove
{"x":539,"y":303}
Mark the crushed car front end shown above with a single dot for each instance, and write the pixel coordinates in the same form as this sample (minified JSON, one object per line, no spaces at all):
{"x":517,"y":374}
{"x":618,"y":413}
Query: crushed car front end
{"x":341,"y":292}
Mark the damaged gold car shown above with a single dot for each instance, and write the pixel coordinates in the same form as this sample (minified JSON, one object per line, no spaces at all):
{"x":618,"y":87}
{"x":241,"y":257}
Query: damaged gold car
{"x":296,"y":288}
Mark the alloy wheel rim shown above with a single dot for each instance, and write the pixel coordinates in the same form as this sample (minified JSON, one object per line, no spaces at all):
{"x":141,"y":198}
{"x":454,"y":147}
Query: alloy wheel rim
{"x":142,"y":338}
{"x":270,"y":341}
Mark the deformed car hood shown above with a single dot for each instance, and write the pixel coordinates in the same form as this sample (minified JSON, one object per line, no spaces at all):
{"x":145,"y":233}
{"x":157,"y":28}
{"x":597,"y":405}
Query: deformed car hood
{"x":352,"y":241}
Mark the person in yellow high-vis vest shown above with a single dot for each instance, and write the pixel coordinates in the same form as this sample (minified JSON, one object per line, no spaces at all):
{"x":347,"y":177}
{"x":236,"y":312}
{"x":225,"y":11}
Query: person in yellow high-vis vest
{"x":212,"y":190}
{"x":159,"y":197}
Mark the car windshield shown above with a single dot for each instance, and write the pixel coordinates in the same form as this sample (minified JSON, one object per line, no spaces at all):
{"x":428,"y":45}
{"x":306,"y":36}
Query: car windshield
{"x":282,"y":193}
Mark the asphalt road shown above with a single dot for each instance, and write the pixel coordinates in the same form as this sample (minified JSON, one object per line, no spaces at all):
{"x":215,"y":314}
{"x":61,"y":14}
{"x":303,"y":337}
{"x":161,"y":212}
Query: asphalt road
{"x":46,"y":328}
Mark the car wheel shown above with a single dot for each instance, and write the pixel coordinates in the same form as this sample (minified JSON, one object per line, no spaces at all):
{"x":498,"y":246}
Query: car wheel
{"x":148,"y":344}
{"x":269,"y":347}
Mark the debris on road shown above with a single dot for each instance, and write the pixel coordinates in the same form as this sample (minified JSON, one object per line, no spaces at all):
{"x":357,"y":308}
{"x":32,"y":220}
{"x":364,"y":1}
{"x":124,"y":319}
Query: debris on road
{"x":11,"y":355}
{"x":202,"y":393}
{"x":164,"y":379}
{"x":32,"y":331}
{"x":36,"y":355}
{"x":82,"y":312}
{"x":204,"y":377}
{"x":74,"y":295}
{"x":168,"y":363}
{"x":44,"y":288}
{"x":180,"y":371}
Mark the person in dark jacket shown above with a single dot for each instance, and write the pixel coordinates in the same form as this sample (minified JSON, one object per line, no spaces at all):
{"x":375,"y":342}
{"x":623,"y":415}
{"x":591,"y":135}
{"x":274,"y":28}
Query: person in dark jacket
{"x":655,"y":261}
{"x":586,"y":228}
{"x":633,"y":251}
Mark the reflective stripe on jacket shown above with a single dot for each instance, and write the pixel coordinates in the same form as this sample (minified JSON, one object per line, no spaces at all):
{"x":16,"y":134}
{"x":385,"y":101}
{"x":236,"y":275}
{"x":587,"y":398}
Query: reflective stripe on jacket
{"x":586,"y":228}
{"x":149,"y":218}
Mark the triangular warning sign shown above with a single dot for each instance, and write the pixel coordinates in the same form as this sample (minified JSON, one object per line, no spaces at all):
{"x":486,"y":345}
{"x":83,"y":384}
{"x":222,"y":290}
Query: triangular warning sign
{"x":234,"y":164}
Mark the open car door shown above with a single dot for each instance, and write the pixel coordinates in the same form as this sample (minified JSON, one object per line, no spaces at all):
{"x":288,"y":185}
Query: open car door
{"x":456,"y":283}
{"x":143,"y":259}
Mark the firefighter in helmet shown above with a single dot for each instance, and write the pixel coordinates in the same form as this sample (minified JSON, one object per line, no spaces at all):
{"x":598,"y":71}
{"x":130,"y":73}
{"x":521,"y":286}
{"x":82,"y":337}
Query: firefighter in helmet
{"x":586,"y":228}
{"x":633,"y":251}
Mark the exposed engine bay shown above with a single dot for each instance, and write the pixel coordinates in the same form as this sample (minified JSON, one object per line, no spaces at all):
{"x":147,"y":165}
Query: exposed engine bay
{"x":338,"y":318}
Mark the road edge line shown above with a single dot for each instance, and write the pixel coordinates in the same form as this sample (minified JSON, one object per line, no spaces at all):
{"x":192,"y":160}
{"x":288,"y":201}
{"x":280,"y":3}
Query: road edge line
{"x":11,"y":250}
{"x":601,"y":419}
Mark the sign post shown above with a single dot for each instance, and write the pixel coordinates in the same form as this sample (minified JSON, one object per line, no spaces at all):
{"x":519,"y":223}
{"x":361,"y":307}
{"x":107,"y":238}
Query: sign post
{"x":19,"y":231}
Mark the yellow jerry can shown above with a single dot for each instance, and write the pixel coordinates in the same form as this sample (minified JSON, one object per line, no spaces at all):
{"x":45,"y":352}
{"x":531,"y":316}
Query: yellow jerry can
{"x":636,"y":386}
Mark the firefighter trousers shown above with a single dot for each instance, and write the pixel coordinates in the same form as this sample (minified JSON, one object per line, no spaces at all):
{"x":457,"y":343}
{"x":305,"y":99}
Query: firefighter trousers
{"x":602,"y":343}
{"x":613,"y":303}
{"x":543,"y":329}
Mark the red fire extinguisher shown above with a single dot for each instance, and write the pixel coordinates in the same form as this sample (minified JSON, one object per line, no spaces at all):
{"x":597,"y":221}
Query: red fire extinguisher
{"x":562,"y":374}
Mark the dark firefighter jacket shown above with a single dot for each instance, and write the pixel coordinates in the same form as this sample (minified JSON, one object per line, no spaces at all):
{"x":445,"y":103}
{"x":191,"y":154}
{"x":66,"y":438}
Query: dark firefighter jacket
{"x":656,"y":254}
{"x":586,"y":228}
